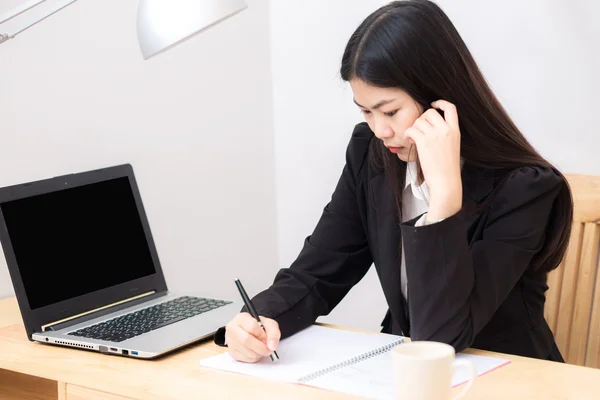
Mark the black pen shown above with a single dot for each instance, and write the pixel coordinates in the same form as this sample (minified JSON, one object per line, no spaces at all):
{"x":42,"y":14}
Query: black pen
{"x":252,"y":310}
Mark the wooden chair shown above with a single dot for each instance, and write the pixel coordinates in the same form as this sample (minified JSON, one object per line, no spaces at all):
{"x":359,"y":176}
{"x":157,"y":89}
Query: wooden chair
{"x":573,"y":300}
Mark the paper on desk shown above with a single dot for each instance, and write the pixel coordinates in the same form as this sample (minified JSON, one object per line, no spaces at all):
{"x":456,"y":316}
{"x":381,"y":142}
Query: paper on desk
{"x":308,"y":351}
{"x":374,"y":377}
{"x":317,"y":348}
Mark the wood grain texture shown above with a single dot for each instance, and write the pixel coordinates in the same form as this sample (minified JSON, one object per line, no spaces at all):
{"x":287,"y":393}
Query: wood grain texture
{"x":573,"y":299}
{"x":566,"y":301}
{"x":75,"y":392}
{"x":62,"y":391}
{"x":584,"y":295}
{"x":592,"y":358}
{"x":586,"y":196}
{"x":179,"y":375}
{"x":15,"y":386}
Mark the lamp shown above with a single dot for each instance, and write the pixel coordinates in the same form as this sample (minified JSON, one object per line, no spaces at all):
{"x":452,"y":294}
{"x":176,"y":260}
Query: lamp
{"x":161,"y":24}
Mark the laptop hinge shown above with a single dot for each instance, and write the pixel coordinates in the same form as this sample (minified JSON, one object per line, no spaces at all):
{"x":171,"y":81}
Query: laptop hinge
{"x":53,"y":326}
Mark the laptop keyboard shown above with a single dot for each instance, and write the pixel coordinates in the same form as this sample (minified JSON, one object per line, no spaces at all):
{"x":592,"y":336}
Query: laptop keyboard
{"x":148,"y":319}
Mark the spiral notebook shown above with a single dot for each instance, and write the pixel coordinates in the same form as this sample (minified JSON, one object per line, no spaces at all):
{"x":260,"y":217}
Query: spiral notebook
{"x":350,"y":362}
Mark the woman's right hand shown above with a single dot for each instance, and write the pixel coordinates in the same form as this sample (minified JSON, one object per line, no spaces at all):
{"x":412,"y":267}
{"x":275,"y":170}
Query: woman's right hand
{"x":247,"y":341}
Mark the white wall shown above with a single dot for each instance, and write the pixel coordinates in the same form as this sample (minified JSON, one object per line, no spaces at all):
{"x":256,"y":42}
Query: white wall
{"x":195,"y":122}
{"x":540,"y":56}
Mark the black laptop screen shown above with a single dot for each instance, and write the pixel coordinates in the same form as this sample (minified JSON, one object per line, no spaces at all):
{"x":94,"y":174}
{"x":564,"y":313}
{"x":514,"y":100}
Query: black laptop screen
{"x":78,"y":240}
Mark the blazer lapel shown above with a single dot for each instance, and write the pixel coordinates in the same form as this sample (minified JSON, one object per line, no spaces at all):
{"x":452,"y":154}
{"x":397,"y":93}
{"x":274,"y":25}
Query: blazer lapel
{"x":477,"y":186}
{"x":385,"y":238}
{"x":386,"y":247}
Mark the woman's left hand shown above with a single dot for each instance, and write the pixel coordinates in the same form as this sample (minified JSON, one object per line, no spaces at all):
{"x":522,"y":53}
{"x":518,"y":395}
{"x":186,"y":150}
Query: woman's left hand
{"x":438,"y":145}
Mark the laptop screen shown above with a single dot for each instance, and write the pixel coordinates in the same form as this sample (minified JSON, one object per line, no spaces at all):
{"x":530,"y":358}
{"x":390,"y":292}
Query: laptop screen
{"x":76,"y":241}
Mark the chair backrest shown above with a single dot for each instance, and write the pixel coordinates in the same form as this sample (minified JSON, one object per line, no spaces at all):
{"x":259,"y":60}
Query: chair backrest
{"x":573,"y":300}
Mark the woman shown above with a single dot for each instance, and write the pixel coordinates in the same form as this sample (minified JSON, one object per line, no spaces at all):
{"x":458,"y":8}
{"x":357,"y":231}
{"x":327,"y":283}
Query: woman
{"x":462,"y":218}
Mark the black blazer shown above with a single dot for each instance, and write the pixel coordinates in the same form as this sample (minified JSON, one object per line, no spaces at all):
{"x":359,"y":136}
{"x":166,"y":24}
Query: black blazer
{"x":470,"y":283}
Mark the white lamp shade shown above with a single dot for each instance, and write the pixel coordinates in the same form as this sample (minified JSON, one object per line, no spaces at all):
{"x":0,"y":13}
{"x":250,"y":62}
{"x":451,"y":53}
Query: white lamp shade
{"x":163,"y":24}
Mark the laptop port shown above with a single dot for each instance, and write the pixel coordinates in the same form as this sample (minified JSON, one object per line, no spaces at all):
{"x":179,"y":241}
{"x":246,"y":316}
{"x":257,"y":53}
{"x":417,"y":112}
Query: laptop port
{"x":135,"y":353}
{"x":125,"y":352}
{"x":113,"y":349}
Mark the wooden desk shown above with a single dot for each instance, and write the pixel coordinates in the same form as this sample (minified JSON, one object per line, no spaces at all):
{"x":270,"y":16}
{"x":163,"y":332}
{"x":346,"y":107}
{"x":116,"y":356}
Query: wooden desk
{"x":36,"y":371}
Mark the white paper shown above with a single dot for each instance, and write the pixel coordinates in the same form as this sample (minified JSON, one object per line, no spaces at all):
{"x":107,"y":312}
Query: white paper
{"x":374,"y":378}
{"x":317,"y":348}
{"x":308,"y":351}
{"x":482,"y":365}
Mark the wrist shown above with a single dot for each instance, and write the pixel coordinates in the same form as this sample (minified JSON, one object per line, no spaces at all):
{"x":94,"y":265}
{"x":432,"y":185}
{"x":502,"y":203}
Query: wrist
{"x":435,"y":216}
{"x":443,"y":206}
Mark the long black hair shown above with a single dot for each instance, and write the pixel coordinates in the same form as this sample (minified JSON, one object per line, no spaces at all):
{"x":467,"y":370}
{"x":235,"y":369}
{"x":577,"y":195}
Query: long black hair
{"x":413,"y":45}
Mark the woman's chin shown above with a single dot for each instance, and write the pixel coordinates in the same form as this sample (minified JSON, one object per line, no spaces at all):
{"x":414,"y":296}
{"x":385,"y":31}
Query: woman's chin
{"x":407,"y":157}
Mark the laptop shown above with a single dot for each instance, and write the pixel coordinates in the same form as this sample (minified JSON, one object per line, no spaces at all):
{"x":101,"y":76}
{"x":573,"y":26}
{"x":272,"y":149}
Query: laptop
{"x":86,"y":271}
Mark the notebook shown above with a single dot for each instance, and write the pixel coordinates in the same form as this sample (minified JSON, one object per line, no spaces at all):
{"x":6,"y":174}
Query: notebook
{"x":350,"y":362}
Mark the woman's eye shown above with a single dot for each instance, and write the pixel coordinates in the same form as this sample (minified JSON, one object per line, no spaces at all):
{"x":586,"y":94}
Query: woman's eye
{"x":365,"y":112}
{"x":391,"y":113}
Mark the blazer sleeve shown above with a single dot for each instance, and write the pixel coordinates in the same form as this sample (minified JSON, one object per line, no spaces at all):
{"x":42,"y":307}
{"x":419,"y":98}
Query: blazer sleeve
{"x":334,"y":258}
{"x":455,"y":288}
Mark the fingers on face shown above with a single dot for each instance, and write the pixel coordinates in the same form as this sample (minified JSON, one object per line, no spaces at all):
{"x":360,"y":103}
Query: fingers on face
{"x":434,"y":118}
{"x":450,"y":112}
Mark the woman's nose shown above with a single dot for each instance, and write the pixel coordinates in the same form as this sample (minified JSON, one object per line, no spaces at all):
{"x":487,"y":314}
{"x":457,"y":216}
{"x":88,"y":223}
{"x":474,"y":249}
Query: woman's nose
{"x":383,"y":131}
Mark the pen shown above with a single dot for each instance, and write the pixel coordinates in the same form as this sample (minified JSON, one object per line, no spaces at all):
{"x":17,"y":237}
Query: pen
{"x":252,"y":310}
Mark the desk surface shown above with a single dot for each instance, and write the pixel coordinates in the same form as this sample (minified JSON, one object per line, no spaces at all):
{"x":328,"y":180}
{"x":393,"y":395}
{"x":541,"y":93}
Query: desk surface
{"x":179,"y":375}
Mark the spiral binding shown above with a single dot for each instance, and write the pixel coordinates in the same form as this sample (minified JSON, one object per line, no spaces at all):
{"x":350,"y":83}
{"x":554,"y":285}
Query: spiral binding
{"x":353,"y":360}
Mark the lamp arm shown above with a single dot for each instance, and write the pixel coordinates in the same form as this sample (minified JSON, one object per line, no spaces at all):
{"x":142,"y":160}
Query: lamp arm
{"x":31,"y":20}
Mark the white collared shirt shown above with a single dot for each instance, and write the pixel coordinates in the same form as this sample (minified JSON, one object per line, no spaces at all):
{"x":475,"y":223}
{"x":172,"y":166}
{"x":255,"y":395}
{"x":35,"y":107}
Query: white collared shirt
{"x":415,"y":202}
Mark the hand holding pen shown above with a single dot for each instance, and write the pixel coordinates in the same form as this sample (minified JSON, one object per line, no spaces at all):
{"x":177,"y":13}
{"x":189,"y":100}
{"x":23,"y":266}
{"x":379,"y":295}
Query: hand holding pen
{"x":250,"y":337}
